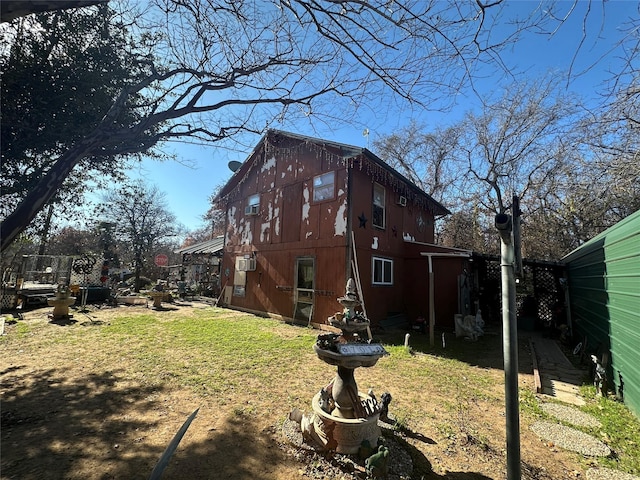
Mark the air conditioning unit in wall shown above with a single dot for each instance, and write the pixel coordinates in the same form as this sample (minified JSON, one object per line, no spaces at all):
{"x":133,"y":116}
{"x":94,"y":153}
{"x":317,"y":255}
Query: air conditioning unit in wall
{"x":402,"y":201}
{"x":247,"y":264}
{"x":251,"y":210}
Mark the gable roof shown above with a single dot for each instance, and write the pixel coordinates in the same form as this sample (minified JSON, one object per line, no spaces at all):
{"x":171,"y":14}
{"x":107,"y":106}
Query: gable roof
{"x":342,"y":153}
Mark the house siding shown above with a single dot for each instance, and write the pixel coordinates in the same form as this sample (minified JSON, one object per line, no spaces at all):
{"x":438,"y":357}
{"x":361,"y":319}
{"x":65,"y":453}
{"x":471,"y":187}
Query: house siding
{"x":289,"y":225}
{"x":604,"y":289}
{"x":383,"y":301}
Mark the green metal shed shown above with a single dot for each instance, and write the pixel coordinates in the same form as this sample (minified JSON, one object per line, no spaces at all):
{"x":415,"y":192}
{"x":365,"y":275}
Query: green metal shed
{"x":604,"y":293}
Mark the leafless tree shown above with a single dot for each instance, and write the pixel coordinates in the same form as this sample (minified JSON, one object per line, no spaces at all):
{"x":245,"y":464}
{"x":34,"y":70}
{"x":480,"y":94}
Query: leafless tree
{"x":141,"y":219}
{"x":427,"y":158}
{"x":216,"y":68}
{"x":602,"y":185}
{"x":519,"y":144}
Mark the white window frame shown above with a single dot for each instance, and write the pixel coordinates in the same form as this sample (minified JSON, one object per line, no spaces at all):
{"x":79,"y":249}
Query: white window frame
{"x":324,"y":187}
{"x":253,"y":205}
{"x":380,"y":205}
{"x":381,"y":262}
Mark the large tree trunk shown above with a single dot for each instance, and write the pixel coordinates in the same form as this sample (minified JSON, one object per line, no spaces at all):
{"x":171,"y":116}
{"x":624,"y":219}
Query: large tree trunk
{"x":44,"y":236}
{"x":36,"y":199}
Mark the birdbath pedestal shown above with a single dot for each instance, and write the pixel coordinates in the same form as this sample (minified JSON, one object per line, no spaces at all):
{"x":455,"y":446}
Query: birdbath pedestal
{"x":61,"y":303}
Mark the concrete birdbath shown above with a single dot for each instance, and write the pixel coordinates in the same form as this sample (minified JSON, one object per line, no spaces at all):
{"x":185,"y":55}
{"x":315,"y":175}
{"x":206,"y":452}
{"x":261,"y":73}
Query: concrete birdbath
{"x":158,"y":294}
{"x":157,"y":298}
{"x":61,"y":303}
{"x":344,"y":418}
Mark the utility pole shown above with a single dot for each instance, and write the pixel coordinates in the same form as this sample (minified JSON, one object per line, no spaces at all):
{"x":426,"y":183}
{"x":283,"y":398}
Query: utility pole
{"x":504,"y":224}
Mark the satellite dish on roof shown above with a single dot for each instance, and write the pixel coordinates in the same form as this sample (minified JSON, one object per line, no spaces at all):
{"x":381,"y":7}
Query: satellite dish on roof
{"x":234,"y":165}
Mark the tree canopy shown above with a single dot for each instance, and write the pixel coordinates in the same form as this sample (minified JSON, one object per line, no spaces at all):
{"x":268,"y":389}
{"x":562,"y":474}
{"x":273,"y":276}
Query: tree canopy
{"x":574,"y":170}
{"x":59,"y":78}
{"x":209,"y":70}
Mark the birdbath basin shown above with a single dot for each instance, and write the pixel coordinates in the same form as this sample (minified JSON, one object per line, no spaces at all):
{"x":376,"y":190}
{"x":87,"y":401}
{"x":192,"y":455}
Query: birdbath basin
{"x":157,"y":298}
{"x":61,"y":303}
{"x":347,"y":434}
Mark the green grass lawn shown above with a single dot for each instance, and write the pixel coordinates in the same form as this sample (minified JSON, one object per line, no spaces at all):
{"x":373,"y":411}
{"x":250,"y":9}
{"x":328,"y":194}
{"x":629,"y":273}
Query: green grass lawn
{"x":220,"y":355}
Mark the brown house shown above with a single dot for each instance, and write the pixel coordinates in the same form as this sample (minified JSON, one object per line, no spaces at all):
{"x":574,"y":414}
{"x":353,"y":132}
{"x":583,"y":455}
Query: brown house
{"x":304,"y":215}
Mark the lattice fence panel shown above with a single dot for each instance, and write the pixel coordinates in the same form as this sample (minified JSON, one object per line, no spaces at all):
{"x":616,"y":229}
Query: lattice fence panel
{"x":546,"y":291}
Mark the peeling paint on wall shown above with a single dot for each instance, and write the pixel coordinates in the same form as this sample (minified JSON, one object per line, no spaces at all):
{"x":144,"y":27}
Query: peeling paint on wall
{"x":264,"y":232}
{"x":305,"y":206}
{"x":245,"y":233}
{"x":276,"y":211}
{"x":269,"y":164}
{"x":408,"y":237}
{"x":340,"y":224}
{"x":231,"y":222}
{"x":269,"y":212}
{"x":374,"y":245}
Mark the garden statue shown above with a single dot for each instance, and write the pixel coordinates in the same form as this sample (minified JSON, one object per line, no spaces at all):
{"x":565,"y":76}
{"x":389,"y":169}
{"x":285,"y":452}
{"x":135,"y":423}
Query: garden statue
{"x":600,"y":377}
{"x":377,"y":465}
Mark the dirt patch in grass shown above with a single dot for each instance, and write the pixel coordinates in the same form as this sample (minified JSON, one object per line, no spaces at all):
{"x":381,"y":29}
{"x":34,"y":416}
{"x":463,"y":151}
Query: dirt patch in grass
{"x":101,"y":397}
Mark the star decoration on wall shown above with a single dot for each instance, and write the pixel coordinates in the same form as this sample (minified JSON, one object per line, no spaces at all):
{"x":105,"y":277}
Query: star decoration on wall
{"x":363,"y":220}
{"x":395,"y":231}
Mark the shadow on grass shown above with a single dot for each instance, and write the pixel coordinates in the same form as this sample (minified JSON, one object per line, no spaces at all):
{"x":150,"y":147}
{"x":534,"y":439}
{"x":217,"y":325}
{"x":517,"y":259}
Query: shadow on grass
{"x":237,"y":450}
{"x":164,"y":308}
{"x":63,"y":322}
{"x":57,"y":426}
{"x":421,"y":465}
{"x":485,"y":352}
{"x":54,"y":426}
{"x":50,"y":422}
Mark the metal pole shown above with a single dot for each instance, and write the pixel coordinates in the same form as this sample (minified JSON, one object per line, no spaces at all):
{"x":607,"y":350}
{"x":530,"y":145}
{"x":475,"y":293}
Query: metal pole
{"x":510,"y":345}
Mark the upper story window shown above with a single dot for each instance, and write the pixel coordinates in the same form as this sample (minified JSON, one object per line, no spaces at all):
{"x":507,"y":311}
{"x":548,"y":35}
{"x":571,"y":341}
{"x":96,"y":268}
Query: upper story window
{"x":253,"y":205}
{"x":324,"y":187}
{"x":378,"y":206}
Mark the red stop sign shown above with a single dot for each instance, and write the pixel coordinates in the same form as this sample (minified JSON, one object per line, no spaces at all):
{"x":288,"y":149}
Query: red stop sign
{"x":162,"y":260}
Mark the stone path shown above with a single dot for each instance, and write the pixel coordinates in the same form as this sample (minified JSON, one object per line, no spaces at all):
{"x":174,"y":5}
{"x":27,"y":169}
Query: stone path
{"x":556,"y":377}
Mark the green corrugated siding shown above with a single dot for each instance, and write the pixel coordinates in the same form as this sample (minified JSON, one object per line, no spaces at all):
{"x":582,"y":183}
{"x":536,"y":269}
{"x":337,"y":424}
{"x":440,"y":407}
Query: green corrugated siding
{"x":604,"y":290}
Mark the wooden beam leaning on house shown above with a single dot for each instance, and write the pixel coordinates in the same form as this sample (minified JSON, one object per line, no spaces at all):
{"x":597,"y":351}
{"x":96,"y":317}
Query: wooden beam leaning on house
{"x":356,"y":274}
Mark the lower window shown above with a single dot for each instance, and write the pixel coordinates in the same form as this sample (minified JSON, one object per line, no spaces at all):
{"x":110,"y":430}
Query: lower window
{"x":382,"y":271}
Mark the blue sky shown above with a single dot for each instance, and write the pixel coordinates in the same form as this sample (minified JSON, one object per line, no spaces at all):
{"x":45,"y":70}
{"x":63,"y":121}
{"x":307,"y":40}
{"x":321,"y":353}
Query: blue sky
{"x":188,"y":188}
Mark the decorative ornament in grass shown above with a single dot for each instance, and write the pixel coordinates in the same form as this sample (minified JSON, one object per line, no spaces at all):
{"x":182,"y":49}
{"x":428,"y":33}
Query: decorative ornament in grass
{"x":385,"y":400}
{"x":600,"y":376}
{"x":307,"y":423}
{"x":377,"y":465}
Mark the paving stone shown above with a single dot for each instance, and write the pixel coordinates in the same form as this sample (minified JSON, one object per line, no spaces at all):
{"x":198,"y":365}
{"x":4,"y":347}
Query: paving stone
{"x":609,"y":474}
{"x":571,"y":415}
{"x":571,"y":439}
